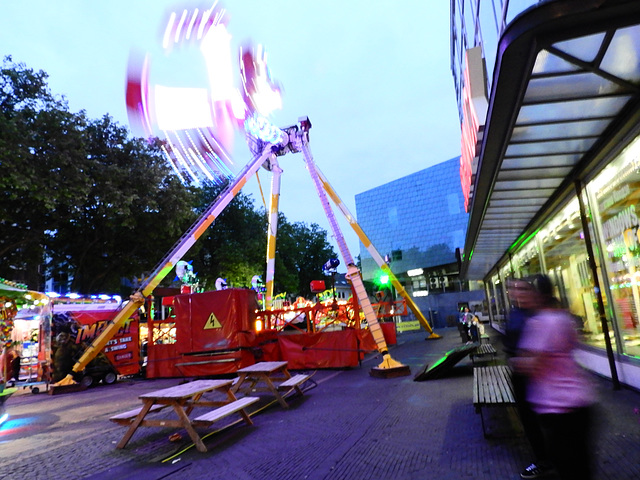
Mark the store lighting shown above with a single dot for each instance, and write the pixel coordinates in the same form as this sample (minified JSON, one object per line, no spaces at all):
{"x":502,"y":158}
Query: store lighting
{"x":421,"y":293}
{"x":415,"y":272}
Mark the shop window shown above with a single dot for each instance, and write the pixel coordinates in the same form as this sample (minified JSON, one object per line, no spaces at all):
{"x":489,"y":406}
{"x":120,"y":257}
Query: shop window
{"x":565,"y":256}
{"x":498,"y":306}
{"x":526,"y":261}
{"x":616,"y":207}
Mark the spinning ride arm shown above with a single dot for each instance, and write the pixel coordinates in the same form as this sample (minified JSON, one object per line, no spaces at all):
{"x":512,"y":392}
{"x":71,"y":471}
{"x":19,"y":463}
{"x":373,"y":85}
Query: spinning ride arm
{"x":353,"y":274}
{"x":170,"y":260}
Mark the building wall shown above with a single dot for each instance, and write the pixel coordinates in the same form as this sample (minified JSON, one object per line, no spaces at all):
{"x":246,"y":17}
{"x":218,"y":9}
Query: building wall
{"x":559,"y":246}
{"x":442,"y":310}
{"x":480,"y":22}
{"x":418,"y":221}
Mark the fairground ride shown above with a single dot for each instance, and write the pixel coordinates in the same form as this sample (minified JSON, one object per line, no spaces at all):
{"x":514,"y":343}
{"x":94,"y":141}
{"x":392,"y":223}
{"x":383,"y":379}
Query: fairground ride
{"x":196,"y":150}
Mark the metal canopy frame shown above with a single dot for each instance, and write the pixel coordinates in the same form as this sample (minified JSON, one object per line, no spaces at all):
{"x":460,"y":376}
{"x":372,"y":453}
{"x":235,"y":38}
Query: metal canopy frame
{"x":566,"y":93}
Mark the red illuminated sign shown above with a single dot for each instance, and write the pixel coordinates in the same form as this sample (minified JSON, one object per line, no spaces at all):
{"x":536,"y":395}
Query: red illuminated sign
{"x":473,"y":99}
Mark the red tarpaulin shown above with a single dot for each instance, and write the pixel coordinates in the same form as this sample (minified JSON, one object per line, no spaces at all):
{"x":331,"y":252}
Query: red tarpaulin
{"x":321,"y":350}
{"x":389,"y":332}
{"x":161,"y":361}
{"x":213,"y":320}
{"x":214,"y":334}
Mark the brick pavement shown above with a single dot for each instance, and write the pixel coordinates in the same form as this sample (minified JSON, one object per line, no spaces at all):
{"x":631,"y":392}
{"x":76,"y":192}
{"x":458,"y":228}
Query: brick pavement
{"x":351,"y":426}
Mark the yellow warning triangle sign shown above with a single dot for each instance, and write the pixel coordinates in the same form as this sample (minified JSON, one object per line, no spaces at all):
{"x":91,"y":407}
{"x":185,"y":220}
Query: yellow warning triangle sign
{"x":212,"y":322}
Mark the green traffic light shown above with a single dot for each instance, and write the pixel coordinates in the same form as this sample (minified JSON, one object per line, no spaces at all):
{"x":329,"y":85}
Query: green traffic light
{"x":384,"y":279}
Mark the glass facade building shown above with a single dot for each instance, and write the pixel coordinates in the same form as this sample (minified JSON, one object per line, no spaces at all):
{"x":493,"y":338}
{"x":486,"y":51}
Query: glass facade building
{"x":555,"y":172}
{"x":417,"y":221}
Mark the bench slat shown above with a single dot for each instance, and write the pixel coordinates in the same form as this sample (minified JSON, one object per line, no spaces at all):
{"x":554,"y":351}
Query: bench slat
{"x":225,"y":410}
{"x":485,"y":349}
{"x":131,"y":414}
{"x":293,"y":381}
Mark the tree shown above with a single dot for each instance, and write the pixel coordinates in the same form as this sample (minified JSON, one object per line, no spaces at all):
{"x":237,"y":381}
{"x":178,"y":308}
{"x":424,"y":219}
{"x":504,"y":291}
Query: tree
{"x":77,"y":196}
{"x":39,"y":141}
{"x":134,"y":210}
{"x":301,"y":251}
{"x":234,"y":246}
{"x":82,"y":202}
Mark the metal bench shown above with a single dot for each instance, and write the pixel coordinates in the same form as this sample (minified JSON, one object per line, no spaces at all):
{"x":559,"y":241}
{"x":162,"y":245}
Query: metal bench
{"x":484,"y":351}
{"x":492,"y":386}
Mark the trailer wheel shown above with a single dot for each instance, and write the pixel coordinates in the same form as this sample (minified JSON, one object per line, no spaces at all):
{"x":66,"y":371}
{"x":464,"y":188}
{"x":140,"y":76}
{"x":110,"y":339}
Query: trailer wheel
{"x":86,"y":381}
{"x":35,"y":390}
{"x":110,"y":378}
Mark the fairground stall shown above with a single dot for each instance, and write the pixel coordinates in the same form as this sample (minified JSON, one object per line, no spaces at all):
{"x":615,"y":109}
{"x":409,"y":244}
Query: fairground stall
{"x":25,"y":322}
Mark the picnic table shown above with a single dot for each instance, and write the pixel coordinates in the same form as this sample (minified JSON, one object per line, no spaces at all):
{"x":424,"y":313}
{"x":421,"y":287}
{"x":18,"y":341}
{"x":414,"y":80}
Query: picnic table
{"x":182,"y":399}
{"x":267,"y":373}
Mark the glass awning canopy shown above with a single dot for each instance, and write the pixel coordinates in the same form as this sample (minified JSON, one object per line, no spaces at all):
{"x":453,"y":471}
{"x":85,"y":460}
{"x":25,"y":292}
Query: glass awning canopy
{"x":560,"y":97}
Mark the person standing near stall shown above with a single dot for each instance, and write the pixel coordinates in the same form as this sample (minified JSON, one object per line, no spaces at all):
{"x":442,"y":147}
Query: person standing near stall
{"x":10,"y":364}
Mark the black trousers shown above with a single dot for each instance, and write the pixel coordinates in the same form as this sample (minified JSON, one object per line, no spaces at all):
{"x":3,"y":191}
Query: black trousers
{"x":464,"y":333}
{"x":568,"y":441}
{"x":530,"y":421}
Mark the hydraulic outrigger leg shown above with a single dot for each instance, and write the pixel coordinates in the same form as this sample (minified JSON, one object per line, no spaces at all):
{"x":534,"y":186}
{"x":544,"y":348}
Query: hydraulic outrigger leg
{"x":375,"y":255}
{"x":389,"y":367}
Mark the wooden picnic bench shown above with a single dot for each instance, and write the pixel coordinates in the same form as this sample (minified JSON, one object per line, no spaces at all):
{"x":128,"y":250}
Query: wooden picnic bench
{"x":125,"y":418}
{"x":221,"y":412}
{"x":268,"y":373}
{"x":492,"y":386}
{"x":183,"y":399}
{"x":294,"y":383}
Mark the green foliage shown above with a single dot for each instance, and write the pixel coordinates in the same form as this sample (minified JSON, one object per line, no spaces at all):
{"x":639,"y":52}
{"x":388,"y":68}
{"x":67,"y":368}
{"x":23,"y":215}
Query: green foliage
{"x":301,"y":251}
{"x":134,"y":208}
{"x":78,"y":199}
{"x":38,"y":143}
{"x":235,"y":246}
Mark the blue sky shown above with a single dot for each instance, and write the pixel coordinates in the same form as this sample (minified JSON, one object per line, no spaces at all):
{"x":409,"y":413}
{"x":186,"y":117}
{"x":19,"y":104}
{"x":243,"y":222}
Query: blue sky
{"x":373,"y":77}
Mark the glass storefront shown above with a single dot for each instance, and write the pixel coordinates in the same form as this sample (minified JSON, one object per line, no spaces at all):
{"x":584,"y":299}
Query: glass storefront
{"x":559,"y":249}
{"x":615,"y":194}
